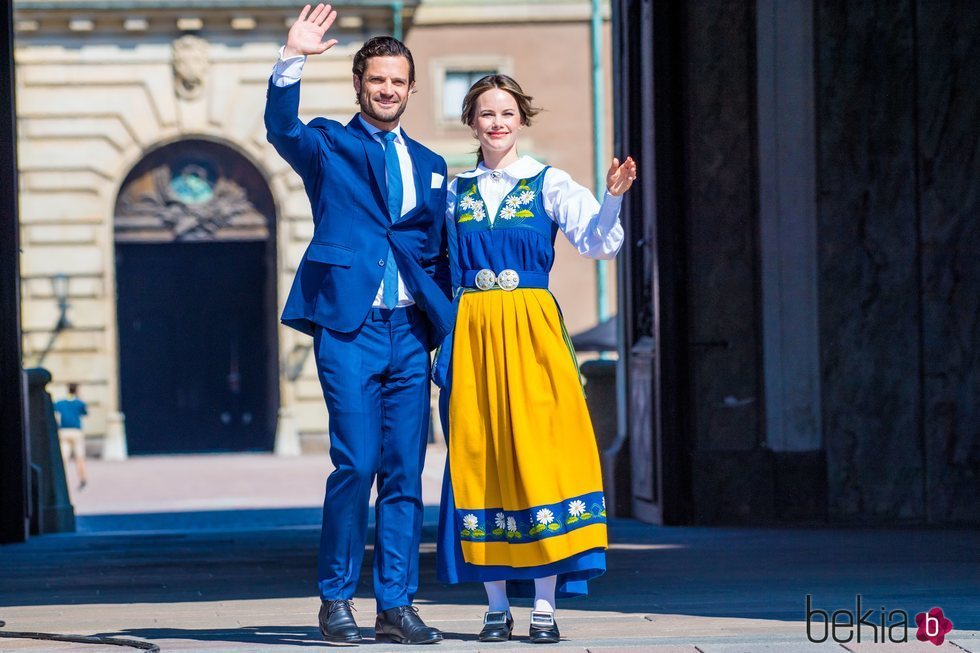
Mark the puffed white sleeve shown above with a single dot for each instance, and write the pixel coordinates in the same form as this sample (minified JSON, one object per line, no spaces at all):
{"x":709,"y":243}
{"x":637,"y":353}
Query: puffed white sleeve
{"x":593,"y":229}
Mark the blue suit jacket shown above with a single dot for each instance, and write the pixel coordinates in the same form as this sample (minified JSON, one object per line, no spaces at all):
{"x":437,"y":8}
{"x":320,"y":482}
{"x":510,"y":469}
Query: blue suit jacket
{"x":343,"y":169}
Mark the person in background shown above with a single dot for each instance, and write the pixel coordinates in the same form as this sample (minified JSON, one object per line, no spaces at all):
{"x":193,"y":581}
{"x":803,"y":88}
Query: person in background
{"x":70,"y":412}
{"x":522,"y":505}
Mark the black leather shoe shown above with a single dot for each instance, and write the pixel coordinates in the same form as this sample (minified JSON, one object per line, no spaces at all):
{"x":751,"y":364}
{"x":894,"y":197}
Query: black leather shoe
{"x":497,"y":627}
{"x":337,"y":622}
{"x":544,"y":630}
{"x":403,"y":625}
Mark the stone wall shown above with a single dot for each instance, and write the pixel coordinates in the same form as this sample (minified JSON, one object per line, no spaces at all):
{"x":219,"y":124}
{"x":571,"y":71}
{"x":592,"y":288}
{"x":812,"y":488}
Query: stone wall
{"x":898,"y":241}
{"x":948,"y":160}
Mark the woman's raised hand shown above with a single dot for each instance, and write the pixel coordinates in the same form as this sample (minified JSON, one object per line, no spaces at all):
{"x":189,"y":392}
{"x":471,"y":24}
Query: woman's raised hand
{"x":306,"y":35}
{"x":620,"y":177}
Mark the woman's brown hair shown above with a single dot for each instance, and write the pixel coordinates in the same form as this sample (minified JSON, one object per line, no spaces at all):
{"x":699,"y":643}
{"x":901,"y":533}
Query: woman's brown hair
{"x":504,"y":83}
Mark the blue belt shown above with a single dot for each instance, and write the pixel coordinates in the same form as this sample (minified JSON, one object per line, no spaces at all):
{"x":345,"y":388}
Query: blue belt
{"x":487,"y":279}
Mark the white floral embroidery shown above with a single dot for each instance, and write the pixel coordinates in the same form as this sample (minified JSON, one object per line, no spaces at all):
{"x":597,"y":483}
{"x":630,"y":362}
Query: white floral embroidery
{"x":478,"y":212}
{"x":576,"y":508}
{"x":511,"y":524}
{"x":545,"y":516}
{"x":500,"y":520}
{"x":470,"y":522}
{"x":467,"y":202}
{"x":508,"y":212}
{"x":527,"y":196}
{"x":512,"y":200}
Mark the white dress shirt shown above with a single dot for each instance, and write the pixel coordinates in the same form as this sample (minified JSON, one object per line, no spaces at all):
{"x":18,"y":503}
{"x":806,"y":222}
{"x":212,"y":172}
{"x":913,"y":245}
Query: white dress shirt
{"x":289,"y":71}
{"x":593,"y":229}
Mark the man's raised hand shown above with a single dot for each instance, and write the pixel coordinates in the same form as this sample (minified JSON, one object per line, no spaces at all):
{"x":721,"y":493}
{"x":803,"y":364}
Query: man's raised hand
{"x":306,"y":35}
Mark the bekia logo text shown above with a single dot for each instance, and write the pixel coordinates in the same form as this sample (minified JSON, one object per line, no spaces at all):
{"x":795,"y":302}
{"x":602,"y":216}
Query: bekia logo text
{"x":879,"y":625}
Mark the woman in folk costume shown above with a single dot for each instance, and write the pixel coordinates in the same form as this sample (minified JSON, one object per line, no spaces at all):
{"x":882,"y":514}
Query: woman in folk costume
{"x":522,"y":506}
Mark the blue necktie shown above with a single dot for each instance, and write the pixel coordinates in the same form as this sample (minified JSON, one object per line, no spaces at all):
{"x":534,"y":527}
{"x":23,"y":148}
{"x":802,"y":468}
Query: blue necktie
{"x":393,"y":170}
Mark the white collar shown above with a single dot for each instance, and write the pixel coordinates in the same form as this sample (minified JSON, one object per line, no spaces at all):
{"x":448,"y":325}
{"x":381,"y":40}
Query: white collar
{"x":524,"y":168}
{"x":374,"y":131}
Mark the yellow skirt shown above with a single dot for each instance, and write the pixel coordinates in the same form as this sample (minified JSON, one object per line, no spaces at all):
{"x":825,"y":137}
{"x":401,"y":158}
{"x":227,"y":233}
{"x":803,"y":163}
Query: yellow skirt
{"x":522,"y":454}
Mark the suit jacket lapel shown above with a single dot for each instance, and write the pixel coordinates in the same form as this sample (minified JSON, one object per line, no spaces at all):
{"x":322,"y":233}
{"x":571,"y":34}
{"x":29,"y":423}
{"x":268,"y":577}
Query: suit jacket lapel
{"x":376,"y":160}
{"x":422,"y":189}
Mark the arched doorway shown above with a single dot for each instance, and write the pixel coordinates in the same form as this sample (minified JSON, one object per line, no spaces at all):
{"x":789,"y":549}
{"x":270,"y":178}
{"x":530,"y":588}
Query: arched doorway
{"x":196,"y":302}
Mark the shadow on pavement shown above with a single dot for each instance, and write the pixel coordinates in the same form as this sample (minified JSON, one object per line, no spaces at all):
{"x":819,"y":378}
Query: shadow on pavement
{"x":265,"y":636}
{"x":720,"y":572}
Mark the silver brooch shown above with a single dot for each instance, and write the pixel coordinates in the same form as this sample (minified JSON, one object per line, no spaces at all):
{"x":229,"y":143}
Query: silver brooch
{"x":485,"y":279}
{"x":508,"y":279}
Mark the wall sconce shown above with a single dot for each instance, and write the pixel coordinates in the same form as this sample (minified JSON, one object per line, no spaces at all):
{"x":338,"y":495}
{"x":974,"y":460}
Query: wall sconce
{"x":295,"y":360}
{"x":59,"y":286}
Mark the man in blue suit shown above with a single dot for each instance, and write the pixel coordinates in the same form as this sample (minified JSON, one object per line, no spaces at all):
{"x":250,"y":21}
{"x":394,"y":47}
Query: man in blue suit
{"x":372,"y":289}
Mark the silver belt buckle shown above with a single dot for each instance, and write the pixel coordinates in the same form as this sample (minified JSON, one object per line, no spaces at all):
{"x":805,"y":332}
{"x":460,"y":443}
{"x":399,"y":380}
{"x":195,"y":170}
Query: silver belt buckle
{"x":485,"y":279}
{"x":508,"y":279}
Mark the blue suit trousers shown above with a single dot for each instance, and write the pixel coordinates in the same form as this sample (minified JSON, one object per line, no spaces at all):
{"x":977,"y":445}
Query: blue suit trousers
{"x":376,"y":384}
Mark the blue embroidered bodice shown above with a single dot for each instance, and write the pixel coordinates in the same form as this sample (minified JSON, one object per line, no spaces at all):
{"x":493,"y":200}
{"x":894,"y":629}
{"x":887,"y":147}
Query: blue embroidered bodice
{"x":521,"y":237}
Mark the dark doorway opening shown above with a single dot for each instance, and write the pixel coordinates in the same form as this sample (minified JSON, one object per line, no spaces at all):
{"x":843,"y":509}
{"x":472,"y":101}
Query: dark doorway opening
{"x":194,"y":346}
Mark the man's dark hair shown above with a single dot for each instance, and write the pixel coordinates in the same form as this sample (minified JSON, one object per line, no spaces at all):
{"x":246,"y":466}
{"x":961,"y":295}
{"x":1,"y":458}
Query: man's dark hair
{"x":73,"y":388}
{"x":382,"y":46}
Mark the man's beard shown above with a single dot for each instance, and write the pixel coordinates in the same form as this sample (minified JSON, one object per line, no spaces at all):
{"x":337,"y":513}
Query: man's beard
{"x":369,"y":110}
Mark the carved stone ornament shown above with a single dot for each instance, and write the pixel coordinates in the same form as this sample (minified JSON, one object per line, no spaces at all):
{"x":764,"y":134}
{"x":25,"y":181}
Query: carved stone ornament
{"x":190,"y":63}
{"x":160,"y":206}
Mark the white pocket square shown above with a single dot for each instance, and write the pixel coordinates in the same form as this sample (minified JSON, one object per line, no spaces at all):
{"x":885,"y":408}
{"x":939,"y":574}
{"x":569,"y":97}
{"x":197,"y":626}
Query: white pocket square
{"x":437,"y":180}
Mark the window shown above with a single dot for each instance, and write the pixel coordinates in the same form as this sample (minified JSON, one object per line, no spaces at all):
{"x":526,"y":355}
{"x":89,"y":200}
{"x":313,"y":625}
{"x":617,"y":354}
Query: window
{"x":455,"y":85}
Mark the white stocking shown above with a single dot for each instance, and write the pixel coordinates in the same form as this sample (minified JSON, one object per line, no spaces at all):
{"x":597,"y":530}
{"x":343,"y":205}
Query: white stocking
{"x":544,"y":594}
{"x":497,"y":596}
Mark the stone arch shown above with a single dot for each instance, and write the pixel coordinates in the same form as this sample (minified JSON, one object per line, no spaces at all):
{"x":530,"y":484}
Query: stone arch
{"x":195,"y":245}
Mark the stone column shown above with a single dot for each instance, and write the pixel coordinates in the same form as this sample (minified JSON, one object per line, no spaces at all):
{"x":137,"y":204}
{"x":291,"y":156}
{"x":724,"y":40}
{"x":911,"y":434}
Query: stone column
{"x":788,"y":224}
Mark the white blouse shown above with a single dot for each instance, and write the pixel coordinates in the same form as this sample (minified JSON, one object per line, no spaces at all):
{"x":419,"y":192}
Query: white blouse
{"x":593,"y":229}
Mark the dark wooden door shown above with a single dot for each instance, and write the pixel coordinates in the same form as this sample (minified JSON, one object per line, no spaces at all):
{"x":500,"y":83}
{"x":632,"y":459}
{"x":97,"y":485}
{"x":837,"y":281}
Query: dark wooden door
{"x":194,"y":340}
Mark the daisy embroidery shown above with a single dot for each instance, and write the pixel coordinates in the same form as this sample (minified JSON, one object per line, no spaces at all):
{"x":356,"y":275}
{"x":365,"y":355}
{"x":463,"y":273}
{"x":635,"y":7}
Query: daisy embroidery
{"x":500,"y":520}
{"x":513,"y":200}
{"x":545,"y":516}
{"x":527,"y":196}
{"x":512,"y":524}
{"x":467,"y":202}
{"x":470,"y":522}
{"x":508,"y":212}
{"x":479,"y":212}
{"x":576,"y":508}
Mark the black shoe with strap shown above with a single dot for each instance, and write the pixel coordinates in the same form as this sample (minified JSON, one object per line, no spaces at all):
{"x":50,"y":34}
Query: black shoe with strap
{"x":544,"y":630}
{"x":497,"y":627}
{"x":403,"y":625}
{"x":337,"y":622}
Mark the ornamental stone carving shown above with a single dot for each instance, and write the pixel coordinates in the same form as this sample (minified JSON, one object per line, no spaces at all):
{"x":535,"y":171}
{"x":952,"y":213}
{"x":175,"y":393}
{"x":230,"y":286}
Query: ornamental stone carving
{"x":185,"y":205}
{"x":190,"y":64}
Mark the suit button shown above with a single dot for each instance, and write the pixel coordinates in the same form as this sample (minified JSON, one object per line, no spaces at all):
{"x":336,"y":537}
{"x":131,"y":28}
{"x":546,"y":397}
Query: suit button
{"x":381,"y":262}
